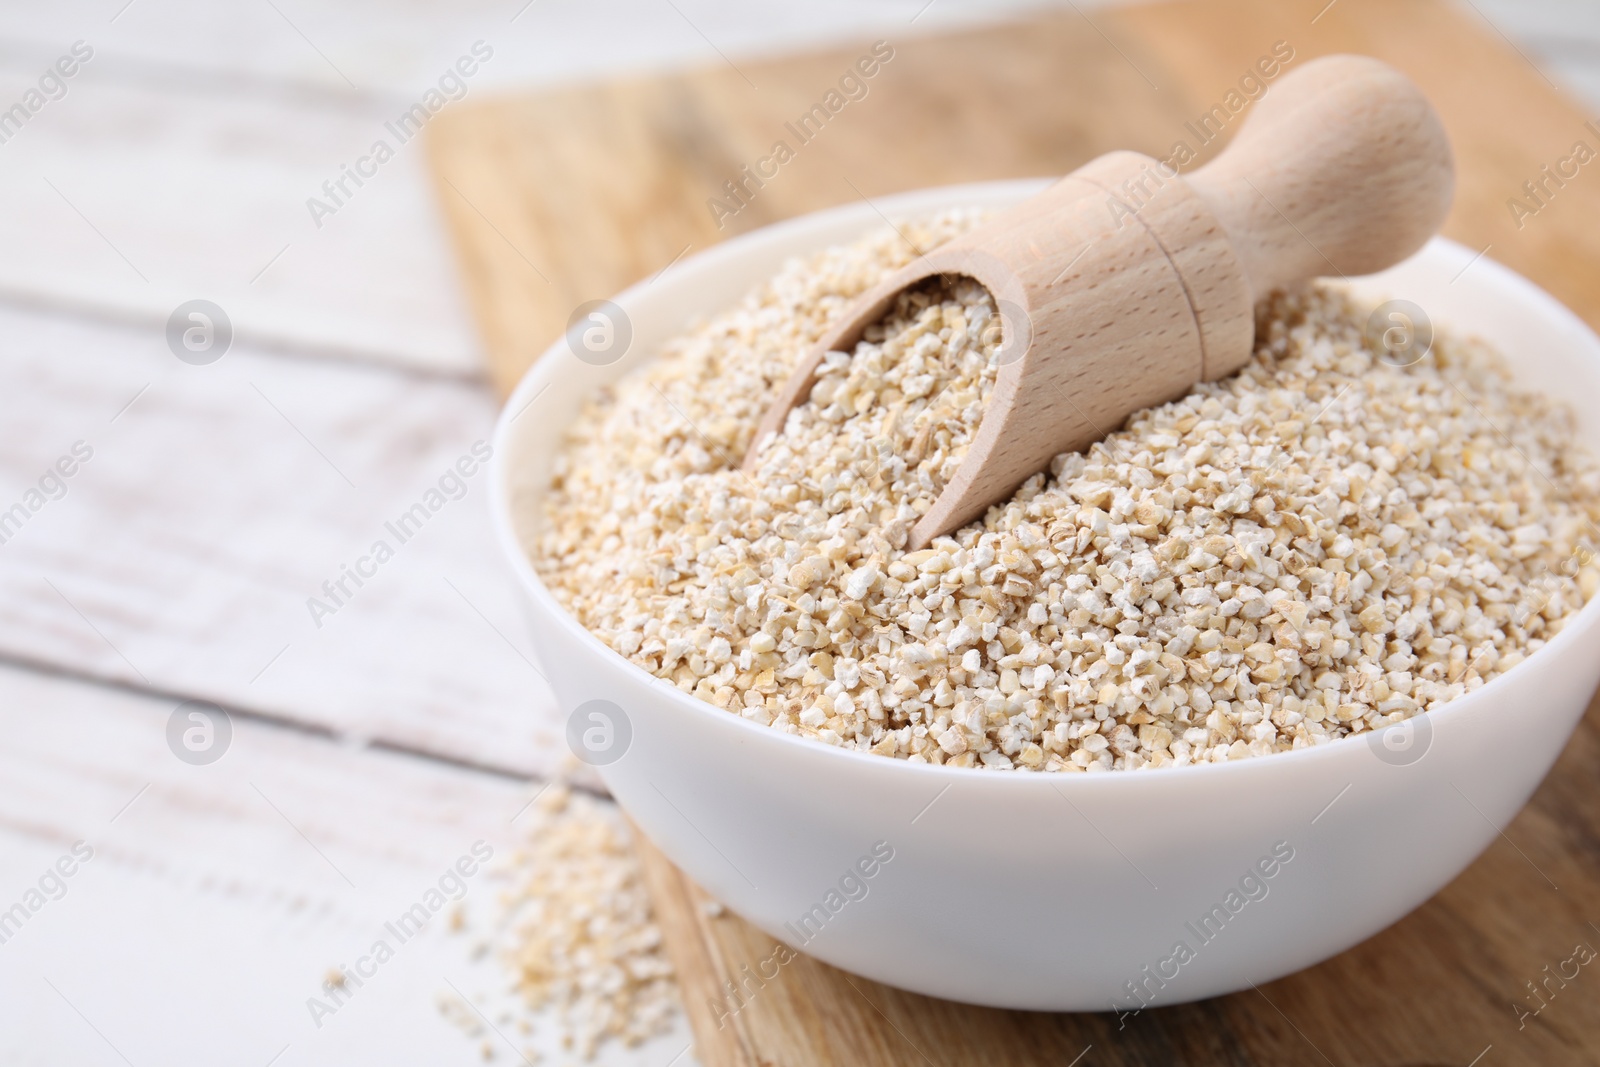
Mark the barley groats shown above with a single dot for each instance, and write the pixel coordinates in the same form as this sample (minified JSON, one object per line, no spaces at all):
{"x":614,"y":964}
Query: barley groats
{"x":576,"y":934}
{"x":1317,"y":546}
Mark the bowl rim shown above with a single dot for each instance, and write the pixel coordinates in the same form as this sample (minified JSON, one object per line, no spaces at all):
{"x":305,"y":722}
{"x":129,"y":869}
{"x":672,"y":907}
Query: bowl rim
{"x":871,"y":214}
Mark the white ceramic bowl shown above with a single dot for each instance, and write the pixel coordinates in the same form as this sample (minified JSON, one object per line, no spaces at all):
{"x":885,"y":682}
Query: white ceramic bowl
{"x":1045,"y":891}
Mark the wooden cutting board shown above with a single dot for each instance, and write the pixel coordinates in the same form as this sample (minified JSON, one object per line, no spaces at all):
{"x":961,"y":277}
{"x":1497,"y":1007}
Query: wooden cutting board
{"x":571,"y":195}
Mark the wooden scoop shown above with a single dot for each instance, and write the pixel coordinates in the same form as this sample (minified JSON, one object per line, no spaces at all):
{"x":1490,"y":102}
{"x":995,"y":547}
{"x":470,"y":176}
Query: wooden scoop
{"x":1123,"y":284}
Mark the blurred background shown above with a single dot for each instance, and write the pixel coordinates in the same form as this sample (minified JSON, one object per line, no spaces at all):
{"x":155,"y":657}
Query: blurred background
{"x":237,"y":340}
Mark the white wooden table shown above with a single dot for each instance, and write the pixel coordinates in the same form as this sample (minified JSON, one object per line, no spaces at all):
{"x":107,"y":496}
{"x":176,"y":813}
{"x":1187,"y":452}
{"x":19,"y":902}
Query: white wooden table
{"x":368,"y":753}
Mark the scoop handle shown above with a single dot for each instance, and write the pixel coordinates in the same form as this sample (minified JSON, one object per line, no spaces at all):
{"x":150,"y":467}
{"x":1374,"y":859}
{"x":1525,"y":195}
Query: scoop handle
{"x":1343,"y":167}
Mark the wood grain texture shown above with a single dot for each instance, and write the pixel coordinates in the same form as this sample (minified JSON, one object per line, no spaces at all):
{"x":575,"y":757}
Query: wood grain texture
{"x":1342,"y":168}
{"x":219,"y":499}
{"x":605,"y":185}
{"x":136,"y":192}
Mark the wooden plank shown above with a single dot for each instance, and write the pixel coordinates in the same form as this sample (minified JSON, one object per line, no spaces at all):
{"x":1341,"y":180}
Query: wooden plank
{"x":397,"y":49}
{"x":602,"y":186}
{"x":218,"y":897}
{"x":184,"y":553}
{"x":132,"y":194}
